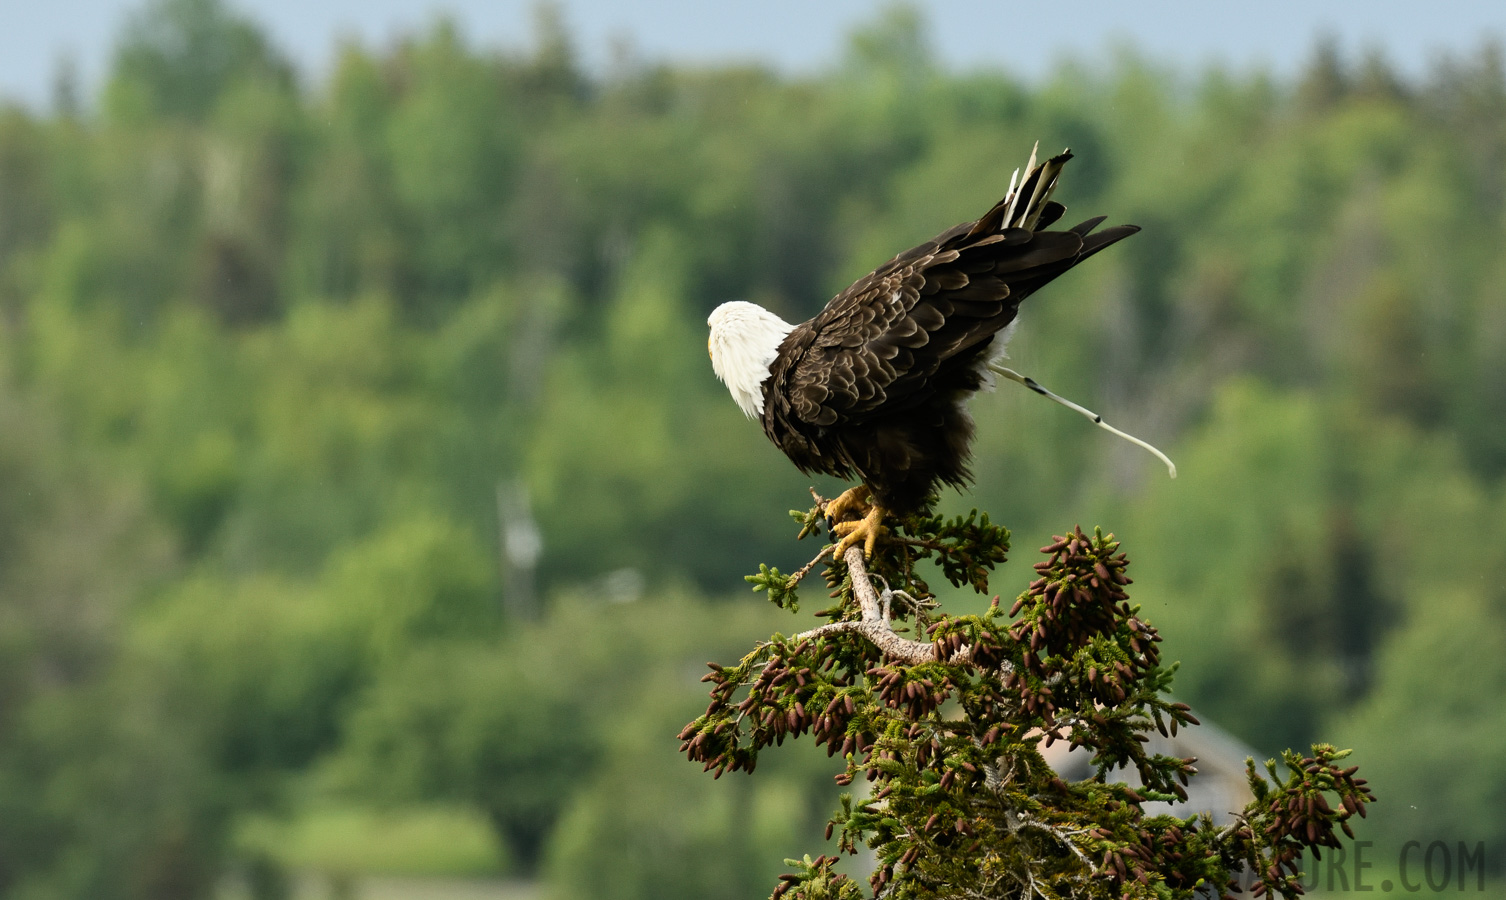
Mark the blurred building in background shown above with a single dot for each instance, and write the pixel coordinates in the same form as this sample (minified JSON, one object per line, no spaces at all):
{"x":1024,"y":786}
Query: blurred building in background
{"x":1221,"y":787}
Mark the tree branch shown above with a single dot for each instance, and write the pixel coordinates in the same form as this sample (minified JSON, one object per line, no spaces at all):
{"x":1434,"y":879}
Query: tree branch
{"x":805,"y":570}
{"x":874,"y":625}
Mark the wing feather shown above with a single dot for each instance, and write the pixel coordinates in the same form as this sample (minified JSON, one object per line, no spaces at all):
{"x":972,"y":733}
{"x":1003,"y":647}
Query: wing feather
{"x":878,"y":345}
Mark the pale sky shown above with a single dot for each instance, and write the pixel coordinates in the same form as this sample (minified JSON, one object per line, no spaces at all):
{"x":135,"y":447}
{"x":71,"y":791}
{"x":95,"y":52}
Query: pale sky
{"x":796,"y":35}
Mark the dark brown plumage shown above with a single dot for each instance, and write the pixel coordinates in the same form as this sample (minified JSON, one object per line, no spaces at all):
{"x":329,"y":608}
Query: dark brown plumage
{"x":876,"y":384}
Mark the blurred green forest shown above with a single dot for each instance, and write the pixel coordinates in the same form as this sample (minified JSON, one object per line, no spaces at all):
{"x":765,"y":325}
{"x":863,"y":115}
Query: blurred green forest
{"x":295,"y":378}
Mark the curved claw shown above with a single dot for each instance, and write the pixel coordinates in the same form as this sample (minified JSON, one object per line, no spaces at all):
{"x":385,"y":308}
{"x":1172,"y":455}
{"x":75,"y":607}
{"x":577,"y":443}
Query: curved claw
{"x":854,"y":500}
{"x":867,"y":529}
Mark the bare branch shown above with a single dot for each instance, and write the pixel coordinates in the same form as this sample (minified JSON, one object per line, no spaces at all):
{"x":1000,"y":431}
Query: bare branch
{"x":873,"y":626}
{"x":862,"y":585}
{"x":806,"y":569}
{"x":878,"y":632}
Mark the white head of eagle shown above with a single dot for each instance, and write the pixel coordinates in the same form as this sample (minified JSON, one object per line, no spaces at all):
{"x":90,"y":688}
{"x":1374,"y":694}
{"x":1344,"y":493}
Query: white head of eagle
{"x":875,"y":385}
{"x":744,"y":343}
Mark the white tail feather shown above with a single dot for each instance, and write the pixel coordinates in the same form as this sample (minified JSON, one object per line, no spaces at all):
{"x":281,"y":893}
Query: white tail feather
{"x":1044,"y":187}
{"x":1014,"y":201}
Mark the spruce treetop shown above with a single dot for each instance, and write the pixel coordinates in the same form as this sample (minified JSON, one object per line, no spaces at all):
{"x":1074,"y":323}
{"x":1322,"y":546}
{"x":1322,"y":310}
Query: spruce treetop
{"x":945,"y":716}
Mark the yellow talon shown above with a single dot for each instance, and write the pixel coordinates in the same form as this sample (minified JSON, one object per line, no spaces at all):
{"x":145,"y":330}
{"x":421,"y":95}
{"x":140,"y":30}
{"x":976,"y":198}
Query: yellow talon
{"x":852,"y":500}
{"x":866,"y":530}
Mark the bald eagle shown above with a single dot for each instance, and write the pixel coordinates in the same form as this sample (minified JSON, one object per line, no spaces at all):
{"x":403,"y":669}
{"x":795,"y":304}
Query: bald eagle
{"x":876,"y":385}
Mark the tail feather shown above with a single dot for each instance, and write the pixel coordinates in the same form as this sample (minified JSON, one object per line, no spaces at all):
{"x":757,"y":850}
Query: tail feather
{"x":1083,"y":229}
{"x":1032,"y":177}
{"x":1022,"y":218}
{"x":1045,"y":184}
{"x":1098,"y":240}
{"x":1027,"y":205}
{"x":1050,"y":212}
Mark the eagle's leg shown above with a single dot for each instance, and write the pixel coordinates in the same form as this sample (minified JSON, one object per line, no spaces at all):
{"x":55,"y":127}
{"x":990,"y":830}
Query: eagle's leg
{"x":853,"y":500}
{"x":866,"y":529}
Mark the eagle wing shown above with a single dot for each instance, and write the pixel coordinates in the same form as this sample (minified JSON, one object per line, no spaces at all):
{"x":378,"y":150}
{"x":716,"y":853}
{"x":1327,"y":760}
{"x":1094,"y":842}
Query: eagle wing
{"x":878,"y":345}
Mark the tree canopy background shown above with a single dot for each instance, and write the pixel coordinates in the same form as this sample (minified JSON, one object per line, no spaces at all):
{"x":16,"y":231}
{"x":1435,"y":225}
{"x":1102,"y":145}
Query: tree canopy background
{"x":276,"y":359}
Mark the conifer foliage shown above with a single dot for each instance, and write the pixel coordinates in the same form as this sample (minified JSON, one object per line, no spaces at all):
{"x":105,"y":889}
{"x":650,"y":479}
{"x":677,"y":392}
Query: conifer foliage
{"x":946,"y":716}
